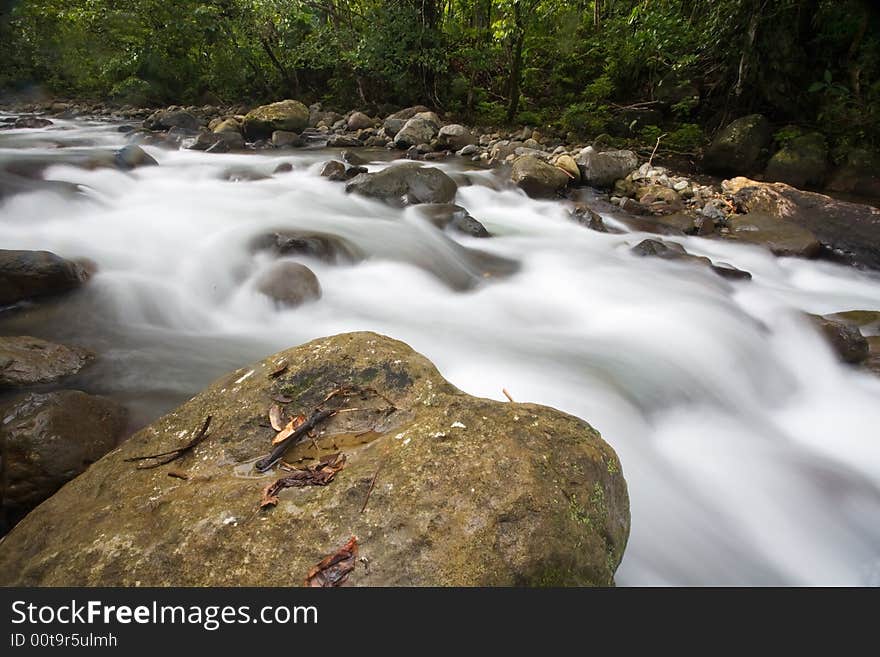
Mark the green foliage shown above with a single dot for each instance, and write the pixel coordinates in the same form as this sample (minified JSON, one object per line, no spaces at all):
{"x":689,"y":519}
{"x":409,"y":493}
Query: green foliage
{"x":814,"y":62}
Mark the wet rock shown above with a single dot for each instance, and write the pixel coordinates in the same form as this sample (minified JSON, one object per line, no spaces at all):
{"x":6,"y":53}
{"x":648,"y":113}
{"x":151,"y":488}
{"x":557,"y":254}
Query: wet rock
{"x":847,"y":341}
{"x":602,"y":169}
{"x":325,"y":247}
{"x":801,"y":163}
{"x":289,"y":284}
{"x":218,"y":142}
{"x":739,"y":147}
{"x":31,"y":122}
{"x":31,"y":274}
{"x":288,"y":115}
{"x":783,"y":238}
{"x":359,"y":121}
{"x":448,"y":215}
{"x":344,"y":141}
{"x":353,"y":159}
{"x":538,"y":178}
{"x":420,"y":129}
{"x":166,"y":119}
{"x":28,"y":361}
{"x":48,"y":439}
{"x":454,"y":137}
{"x":849,"y":230}
{"x":396,"y":121}
{"x":284,"y":167}
{"x":286,"y":139}
{"x":674,"y":251}
{"x":539,"y":486}
{"x":588,"y":217}
{"x":133,"y":156}
{"x":333,"y":170}
{"x":405,"y":183}
{"x":867,"y":321}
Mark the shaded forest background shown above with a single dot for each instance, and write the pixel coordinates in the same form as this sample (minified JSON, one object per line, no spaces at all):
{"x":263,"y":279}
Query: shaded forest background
{"x":625,"y":67}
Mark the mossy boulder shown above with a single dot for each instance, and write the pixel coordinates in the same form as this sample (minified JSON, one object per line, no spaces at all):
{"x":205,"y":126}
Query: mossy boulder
{"x":859,"y":173}
{"x":802,"y":162}
{"x":739,"y":147}
{"x":440,"y":489}
{"x":290,"y":115}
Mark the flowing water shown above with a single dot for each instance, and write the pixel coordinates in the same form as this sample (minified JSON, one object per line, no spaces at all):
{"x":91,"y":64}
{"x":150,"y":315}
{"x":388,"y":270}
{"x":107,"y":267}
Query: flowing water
{"x":752,"y":456}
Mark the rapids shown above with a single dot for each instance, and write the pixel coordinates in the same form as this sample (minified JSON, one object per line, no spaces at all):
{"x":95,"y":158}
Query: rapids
{"x":752,"y":456}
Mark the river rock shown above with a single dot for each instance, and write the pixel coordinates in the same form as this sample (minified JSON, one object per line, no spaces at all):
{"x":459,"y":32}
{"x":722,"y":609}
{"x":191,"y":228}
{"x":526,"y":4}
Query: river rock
{"x":739,"y":147}
{"x":27,"y":361}
{"x":674,"y":251}
{"x":396,"y":121}
{"x":325,"y":247}
{"x":290,"y":115}
{"x":455,"y":137}
{"x":133,"y":156}
{"x":409,"y":183}
{"x":448,"y":215}
{"x":359,"y":121}
{"x":48,"y":439}
{"x":783,"y":238}
{"x":29,"y":274}
{"x":333,"y":170}
{"x":218,"y":142}
{"x":420,"y":129}
{"x":228,"y":125}
{"x":803,"y":162}
{"x":867,"y":321}
{"x":859,"y":174}
{"x":602,"y":169}
{"x":850,"y":230}
{"x":470,"y":492}
{"x":166,"y":119}
{"x":568,"y":164}
{"x":344,"y":141}
{"x":286,"y":139}
{"x":31,"y":122}
{"x":538,"y":178}
{"x":289,"y":284}
{"x":847,"y":341}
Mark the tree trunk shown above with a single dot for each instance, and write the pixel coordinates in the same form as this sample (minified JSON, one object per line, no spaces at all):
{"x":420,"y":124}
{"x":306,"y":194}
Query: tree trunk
{"x":513,"y":85}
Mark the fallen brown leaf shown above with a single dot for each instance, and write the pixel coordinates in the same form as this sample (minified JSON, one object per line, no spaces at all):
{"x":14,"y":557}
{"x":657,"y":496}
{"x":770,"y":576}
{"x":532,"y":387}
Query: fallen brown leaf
{"x":320,"y":474}
{"x":334,"y":569}
{"x":291,"y":426}
{"x":276,"y":417}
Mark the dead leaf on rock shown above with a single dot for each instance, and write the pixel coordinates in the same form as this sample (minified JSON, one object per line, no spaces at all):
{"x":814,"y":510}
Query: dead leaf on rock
{"x":320,"y":474}
{"x":278,"y":371}
{"x":276,"y":417}
{"x":334,"y":569}
{"x":291,"y":426}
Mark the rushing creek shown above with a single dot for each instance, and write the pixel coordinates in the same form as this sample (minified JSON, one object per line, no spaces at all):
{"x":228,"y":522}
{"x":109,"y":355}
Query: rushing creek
{"x":751,"y":454}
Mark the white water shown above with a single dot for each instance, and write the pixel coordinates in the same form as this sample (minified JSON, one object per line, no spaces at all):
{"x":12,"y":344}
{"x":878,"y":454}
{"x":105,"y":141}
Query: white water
{"x":752,"y":456}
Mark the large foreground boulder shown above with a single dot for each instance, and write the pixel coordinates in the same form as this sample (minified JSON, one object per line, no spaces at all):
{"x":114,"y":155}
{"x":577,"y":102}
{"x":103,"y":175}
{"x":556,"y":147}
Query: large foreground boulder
{"x":440,"y":488}
{"x":739,"y":147}
{"x":47,"y":440}
{"x":27,"y":361}
{"x":290,"y":115}
{"x":850,"y":230}
{"x":408,"y":183}
{"x":28,"y":274}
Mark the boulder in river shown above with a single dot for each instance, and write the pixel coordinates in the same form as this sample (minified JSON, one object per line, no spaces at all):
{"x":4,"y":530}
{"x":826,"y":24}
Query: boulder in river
{"x":783,"y":238}
{"x":359,"y":121}
{"x":286,"y":139}
{"x":30,"y":274}
{"x":674,"y":251}
{"x":133,"y":156}
{"x":325,"y":247}
{"x":406,"y":183}
{"x":537,"y":178}
{"x":31,"y":122}
{"x":739,"y":147}
{"x":438,"y":487}
{"x":218,"y":142}
{"x":420,"y":129}
{"x":344,"y":141}
{"x":48,"y":439}
{"x":448,"y":215}
{"x":455,"y":137}
{"x":289,"y":284}
{"x":849,"y":230}
{"x":396,"y":121}
{"x":27,"y":361}
{"x":846,"y":340}
{"x":166,"y":119}
{"x":290,"y":115}
{"x":603,"y":168}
